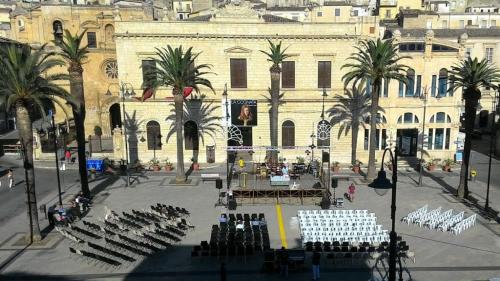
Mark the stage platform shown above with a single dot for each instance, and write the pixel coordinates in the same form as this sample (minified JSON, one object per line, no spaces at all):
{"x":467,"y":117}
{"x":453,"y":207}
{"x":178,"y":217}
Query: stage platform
{"x":260,"y":190}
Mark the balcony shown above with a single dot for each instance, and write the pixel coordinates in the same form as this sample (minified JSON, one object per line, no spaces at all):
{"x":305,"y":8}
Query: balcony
{"x":388,"y":3}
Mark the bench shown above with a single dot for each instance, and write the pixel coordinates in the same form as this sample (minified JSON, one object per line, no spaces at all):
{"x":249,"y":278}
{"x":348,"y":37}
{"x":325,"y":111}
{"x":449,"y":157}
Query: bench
{"x":209,"y":177}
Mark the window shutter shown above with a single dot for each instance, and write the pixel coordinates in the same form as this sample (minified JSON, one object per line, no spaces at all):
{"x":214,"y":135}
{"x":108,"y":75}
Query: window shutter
{"x":147,"y":67}
{"x":238,"y":73}
{"x":288,"y":74}
{"x":324,"y":74}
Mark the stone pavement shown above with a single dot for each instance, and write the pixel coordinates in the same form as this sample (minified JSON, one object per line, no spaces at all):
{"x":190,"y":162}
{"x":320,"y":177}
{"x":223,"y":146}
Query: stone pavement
{"x":472,"y":255}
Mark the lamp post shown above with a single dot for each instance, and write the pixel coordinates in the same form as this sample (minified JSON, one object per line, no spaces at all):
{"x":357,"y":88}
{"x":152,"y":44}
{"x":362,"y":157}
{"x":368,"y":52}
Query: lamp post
{"x":53,"y":132}
{"x":496,"y":103}
{"x":312,"y":146}
{"x":324,"y":95}
{"x":124,"y":90}
{"x":381,"y":183}
{"x":424,"y":97}
{"x":224,"y":94}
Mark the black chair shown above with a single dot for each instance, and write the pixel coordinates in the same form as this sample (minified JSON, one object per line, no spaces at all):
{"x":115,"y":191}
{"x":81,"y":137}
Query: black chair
{"x":345,"y":244}
{"x":336,"y":243}
{"x":309,"y":246}
{"x":318,"y":246}
{"x":345,"y":249}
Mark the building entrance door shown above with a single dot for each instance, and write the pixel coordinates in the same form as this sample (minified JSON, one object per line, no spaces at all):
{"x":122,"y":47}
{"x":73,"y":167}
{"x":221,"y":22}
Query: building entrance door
{"x":407,"y":142}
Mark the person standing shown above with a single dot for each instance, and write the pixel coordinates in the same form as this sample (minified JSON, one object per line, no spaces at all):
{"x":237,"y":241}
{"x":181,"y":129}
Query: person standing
{"x":352,"y":190}
{"x":67,"y":155}
{"x":316,"y":257}
{"x":10,"y":176}
{"x":284,"y":262}
{"x":241,"y":163}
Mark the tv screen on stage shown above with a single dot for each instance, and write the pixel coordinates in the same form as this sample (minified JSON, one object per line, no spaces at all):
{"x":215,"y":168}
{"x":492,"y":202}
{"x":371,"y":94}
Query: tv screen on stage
{"x":244,"y":113}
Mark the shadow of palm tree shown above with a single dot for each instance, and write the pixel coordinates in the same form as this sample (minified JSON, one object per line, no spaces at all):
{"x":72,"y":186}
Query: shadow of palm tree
{"x":132,"y":125}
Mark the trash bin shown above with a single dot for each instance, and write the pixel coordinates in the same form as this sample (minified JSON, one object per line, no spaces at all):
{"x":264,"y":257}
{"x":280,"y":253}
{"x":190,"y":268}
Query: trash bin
{"x":210,"y":153}
{"x":243,"y":180}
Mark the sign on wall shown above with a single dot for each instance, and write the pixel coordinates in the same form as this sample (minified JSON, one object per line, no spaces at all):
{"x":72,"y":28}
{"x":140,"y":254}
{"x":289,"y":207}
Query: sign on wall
{"x":244,"y":113}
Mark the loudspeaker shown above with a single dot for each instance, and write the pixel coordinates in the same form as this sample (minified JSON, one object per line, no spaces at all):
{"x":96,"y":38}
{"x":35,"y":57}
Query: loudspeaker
{"x":218,"y":183}
{"x":326,"y":157}
{"x":325,"y":203}
{"x":335,"y":183}
{"x":231,"y":204}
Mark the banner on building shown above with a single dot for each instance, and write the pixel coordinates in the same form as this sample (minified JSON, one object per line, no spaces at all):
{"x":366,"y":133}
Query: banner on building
{"x":244,"y":113}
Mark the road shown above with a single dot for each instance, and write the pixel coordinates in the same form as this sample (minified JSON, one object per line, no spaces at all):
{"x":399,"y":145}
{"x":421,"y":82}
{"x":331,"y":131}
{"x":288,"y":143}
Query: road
{"x":12,"y":202}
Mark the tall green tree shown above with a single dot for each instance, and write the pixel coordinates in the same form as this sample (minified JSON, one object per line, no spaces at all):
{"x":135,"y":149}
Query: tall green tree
{"x":75,"y":55}
{"x":276,"y":55}
{"x":471,"y":75}
{"x":177,"y":69}
{"x":351,"y":112}
{"x":374,"y":61}
{"x":26,"y":86}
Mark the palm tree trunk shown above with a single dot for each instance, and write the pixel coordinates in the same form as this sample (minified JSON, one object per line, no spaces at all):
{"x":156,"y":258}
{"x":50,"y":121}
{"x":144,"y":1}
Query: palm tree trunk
{"x":370,"y":175}
{"x":471,"y":102}
{"x":275,"y":92}
{"x":180,"y":176}
{"x":354,"y":141}
{"x":77,"y":91}
{"x":26,"y":136}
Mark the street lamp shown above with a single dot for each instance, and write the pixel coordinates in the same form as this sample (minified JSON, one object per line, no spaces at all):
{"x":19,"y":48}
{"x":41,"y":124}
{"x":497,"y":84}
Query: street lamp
{"x":224,"y":94}
{"x":424,"y":97}
{"x":381,"y":185}
{"x":496,"y":103}
{"x":124,"y":91}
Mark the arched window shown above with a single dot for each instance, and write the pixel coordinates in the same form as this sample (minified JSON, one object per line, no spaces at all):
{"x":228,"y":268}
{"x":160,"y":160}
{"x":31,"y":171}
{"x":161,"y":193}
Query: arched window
{"x":115,"y":117}
{"x":154,"y":136}
{"x":443,"y":82}
{"x":191,"y":138}
{"x":410,"y":88}
{"x":483,"y":118}
{"x":109,"y":31}
{"x":288,"y":133}
{"x":323,"y":133}
{"x":440,"y":117}
{"x":57,"y":29}
{"x":380,"y":119}
{"x":408,"y":118}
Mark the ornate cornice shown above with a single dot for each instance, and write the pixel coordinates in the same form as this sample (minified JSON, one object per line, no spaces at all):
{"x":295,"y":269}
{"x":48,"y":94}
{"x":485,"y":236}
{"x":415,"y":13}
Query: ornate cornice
{"x":237,"y":36}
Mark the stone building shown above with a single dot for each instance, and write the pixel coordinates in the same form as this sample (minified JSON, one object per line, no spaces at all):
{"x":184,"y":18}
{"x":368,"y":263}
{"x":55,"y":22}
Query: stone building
{"x":230,"y":41}
{"x":41,"y":24}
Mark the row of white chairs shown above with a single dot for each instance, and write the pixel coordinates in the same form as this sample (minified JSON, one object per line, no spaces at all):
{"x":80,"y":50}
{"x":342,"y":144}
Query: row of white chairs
{"x":373,"y":239}
{"x":331,"y":212}
{"x":345,"y":233}
{"x":347,"y":228}
{"x":447,"y":224}
{"x":434,"y":222}
{"x":337,"y":223}
{"x":412,"y":216}
{"x":434,"y":214}
{"x":464,"y":224}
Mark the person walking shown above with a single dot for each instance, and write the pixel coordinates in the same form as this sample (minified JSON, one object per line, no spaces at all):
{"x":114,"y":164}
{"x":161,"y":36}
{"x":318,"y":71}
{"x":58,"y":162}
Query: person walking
{"x":316,"y":258}
{"x":352,"y":190}
{"x":67,"y":155}
{"x":283,"y":262}
{"x":10,"y":176}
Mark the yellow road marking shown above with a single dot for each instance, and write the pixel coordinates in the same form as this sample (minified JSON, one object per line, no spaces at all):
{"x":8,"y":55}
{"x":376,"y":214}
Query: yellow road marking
{"x":281,"y":226}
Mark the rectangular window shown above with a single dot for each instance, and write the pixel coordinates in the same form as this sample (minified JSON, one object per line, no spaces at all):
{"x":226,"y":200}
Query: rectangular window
{"x":288,"y":74}
{"x":469,"y":22}
{"x":444,"y":24}
{"x":489,"y":55}
{"x":410,"y":88}
{"x":337,"y":12}
{"x":484,"y":24}
{"x":320,"y":14}
{"x":451,"y":86}
{"x":433,"y":86}
{"x":238,"y":73}
{"x":401,"y":88}
{"x":355,"y":13}
{"x":324,"y":74}
{"x":367,"y":137}
{"x":461,"y":24}
{"x":447,"y":143}
{"x":91,"y":40}
{"x":386,"y":88}
{"x":419,"y":86}
{"x":430,"y":138}
{"x":442,"y":86}
{"x":147,"y":67}
{"x":439,"y":139}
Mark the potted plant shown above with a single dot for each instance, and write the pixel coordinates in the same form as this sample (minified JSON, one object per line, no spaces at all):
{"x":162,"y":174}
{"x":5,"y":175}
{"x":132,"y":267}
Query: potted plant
{"x":155,"y":164}
{"x":447,"y":163}
{"x":196,"y":165}
{"x":336,"y":167}
{"x":431,"y":166}
{"x":300,"y":160}
{"x":356,"y":166}
{"x":168,"y":165}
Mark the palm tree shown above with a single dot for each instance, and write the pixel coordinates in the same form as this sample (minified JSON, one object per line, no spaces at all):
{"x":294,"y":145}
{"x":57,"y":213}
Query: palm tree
{"x":276,"y":55}
{"x":25,"y":86}
{"x":375,"y":61}
{"x":177,"y":69}
{"x":352,"y":111}
{"x":471,"y":75}
{"x":203,"y":114}
{"x":75,"y":55}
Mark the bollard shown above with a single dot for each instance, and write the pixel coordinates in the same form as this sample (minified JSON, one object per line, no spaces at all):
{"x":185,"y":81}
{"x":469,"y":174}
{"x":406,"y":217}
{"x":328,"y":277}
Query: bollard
{"x":43,"y":209}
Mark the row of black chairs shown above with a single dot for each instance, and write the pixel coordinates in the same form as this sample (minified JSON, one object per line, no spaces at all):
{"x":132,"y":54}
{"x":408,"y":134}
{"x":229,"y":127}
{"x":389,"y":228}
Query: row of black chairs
{"x":110,"y":252}
{"x":148,"y":216}
{"x":138,"y":243}
{"x":172,"y":229}
{"x":129,"y":223}
{"x":85,"y":232}
{"x":167,"y":235}
{"x":92,"y":225}
{"x":136,"y":219}
{"x":336,"y":246}
{"x":95,"y":256}
{"x":127,"y":247}
{"x":243,"y":217}
{"x":224,"y":250}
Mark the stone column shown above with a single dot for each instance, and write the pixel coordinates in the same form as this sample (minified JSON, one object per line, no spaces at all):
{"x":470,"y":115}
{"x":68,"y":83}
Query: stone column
{"x":118,"y":145}
{"x":429,"y":38}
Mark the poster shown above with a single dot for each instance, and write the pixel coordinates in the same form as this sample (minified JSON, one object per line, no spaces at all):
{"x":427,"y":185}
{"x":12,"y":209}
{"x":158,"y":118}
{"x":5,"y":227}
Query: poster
{"x":244,"y":113}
